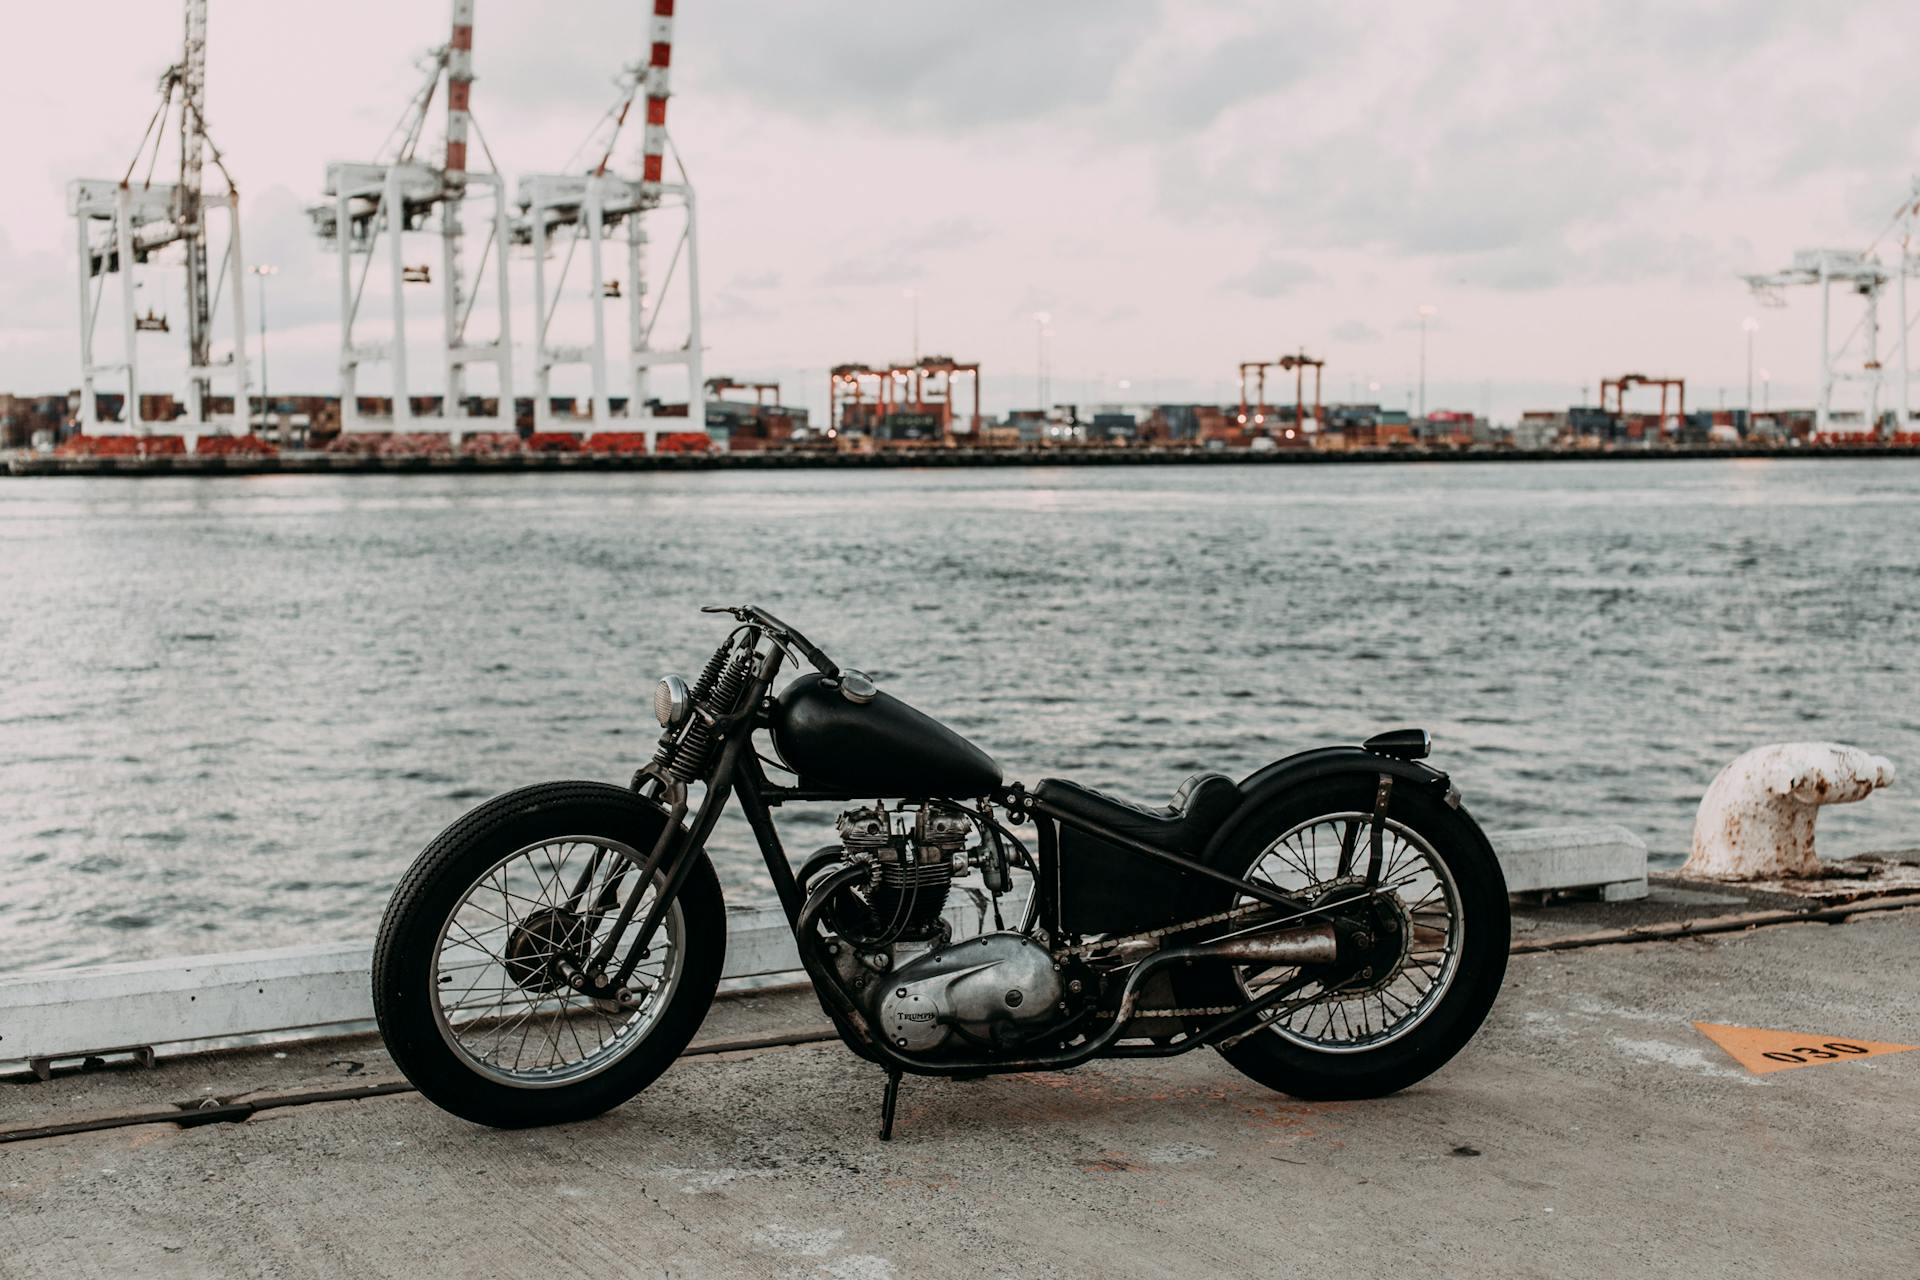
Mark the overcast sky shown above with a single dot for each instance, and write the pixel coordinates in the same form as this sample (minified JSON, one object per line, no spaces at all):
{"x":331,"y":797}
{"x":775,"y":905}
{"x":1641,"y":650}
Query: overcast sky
{"x":1181,"y":186}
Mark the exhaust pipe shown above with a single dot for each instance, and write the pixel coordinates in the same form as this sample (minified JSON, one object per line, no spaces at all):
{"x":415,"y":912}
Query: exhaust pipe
{"x":1309,"y":944}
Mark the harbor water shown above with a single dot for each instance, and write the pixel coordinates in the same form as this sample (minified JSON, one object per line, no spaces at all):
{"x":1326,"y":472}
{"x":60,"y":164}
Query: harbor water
{"x":233,"y":710}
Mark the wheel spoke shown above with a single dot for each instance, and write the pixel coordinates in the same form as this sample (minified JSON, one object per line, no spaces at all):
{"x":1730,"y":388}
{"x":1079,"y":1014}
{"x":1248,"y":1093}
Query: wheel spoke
{"x":1416,"y":885}
{"x":515,"y":1019}
{"x":472,"y":987}
{"x":1348,"y":840}
{"x":474,"y":942}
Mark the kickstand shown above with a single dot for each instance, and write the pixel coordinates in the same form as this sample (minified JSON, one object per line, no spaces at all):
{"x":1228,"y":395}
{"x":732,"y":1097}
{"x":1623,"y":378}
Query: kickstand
{"x":888,"y":1101}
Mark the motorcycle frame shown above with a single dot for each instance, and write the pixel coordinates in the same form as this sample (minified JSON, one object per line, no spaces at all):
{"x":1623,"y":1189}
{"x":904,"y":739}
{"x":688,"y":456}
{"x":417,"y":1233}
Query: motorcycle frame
{"x":738,"y":772}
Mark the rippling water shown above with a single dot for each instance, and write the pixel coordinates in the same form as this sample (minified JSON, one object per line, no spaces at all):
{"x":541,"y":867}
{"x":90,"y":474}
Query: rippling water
{"x":235,"y":709}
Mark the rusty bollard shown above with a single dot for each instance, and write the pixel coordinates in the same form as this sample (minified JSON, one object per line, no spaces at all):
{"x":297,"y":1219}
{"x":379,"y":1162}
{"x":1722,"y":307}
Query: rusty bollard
{"x":1756,"y":820}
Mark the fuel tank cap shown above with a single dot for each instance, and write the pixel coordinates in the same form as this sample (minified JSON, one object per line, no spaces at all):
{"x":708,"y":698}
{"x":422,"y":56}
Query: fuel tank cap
{"x":858,"y":686}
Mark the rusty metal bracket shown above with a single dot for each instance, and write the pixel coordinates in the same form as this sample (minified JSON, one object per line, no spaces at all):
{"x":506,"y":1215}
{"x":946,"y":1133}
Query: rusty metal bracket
{"x":90,"y":1059}
{"x":1376,"y":834}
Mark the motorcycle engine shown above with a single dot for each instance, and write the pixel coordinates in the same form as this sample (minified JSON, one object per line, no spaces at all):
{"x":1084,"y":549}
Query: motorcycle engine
{"x":997,"y":989}
{"x":912,"y":869}
{"x":896,"y":954}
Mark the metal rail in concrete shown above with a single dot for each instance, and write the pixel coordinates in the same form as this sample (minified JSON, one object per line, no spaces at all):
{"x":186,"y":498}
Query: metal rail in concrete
{"x":296,"y":992}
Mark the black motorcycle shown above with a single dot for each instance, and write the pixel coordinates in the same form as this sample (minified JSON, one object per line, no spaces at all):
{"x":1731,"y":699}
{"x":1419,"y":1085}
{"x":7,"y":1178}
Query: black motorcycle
{"x":1335,"y":925}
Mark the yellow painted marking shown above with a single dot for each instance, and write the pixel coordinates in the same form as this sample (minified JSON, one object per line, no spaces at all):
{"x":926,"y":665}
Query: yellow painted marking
{"x":1761,"y":1050}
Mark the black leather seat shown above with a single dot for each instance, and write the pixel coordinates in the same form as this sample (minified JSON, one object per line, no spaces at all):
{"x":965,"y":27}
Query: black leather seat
{"x":1202,"y":803}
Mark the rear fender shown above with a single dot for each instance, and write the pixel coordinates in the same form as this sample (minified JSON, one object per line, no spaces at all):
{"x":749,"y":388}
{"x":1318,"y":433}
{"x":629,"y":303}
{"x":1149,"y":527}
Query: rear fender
{"x":1265,"y":786}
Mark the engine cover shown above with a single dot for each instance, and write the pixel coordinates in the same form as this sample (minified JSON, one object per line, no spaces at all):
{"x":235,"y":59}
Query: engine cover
{"x":997,"y":988}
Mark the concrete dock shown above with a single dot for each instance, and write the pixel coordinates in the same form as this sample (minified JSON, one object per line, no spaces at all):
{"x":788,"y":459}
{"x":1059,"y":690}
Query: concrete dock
{"x":1591,"y":1130}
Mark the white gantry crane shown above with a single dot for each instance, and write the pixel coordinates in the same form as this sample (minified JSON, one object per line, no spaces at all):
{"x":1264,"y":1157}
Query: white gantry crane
{"x":399,"y":194}
{"x":128,"y":223}
{"x":590,"y":204}
{"x":1863,"y":274}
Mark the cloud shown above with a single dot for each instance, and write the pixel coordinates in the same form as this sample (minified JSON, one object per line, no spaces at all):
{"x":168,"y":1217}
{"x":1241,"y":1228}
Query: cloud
{"x":1273,"y":276}
{"x":1211,"y":59}
{"x":729,"y":305}
{"x":903,"y":259}
{"x":923,"y":68}
{"x":1507,"y":158}
{"x":1515,"y":268}
{"x":39,"y":326}
{"x":1573,"y":184}
{"x":39,"y":286}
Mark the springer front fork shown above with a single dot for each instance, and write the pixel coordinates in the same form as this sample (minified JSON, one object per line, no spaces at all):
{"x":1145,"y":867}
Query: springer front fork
{"x":592,"y":978}
{"x":673,"y":852}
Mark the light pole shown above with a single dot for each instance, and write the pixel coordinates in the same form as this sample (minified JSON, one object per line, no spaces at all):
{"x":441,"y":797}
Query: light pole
{"x":1751,"y":326}
{"x":1041,"y":319}
{"x":1427,"y":312}
{"x":1047,"y":333}
{"x":1766,"y":384}
{"x":261,"y":271}
{"x":919,"y":397}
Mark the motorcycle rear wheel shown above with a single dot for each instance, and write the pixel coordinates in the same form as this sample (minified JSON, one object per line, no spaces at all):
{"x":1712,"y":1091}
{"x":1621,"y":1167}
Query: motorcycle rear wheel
{"x":469,"y":983}
{"x":1372,"y":1034}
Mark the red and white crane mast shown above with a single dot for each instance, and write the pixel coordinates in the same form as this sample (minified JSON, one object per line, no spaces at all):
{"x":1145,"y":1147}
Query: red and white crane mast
{"x":590,"y":205}
{"x":653,"y":142}
{"x":397,"y":194}
{"x":452,"y":223}
{"x":141,"y":218}
{"x":193,"y":97}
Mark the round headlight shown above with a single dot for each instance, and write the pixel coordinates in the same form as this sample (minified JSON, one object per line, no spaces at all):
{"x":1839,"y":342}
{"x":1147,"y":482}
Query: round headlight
{"x":671,"y":702}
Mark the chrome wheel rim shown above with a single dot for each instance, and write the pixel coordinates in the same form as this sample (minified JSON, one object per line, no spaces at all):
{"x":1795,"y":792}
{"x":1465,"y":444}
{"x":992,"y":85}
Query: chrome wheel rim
{"x":496,"y":995}
{"x":1328,"y":855}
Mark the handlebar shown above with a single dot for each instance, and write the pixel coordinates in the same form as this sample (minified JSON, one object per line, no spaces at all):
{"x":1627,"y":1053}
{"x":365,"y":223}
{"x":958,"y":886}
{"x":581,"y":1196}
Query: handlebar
{"x":757,"y":616}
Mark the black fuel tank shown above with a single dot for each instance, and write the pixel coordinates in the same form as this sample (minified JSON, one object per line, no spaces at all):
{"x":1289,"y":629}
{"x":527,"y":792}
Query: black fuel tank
{"x":882,"y":748}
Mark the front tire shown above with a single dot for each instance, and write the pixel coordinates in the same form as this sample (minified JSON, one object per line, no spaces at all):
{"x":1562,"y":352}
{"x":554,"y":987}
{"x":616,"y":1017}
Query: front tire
{"x":467,"y":972}
{"x":1365,"y":1037}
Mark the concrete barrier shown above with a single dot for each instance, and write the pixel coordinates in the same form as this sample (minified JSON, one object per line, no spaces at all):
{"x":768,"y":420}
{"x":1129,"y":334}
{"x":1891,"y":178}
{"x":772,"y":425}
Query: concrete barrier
{"x":297,"y":992}
{"x":1610,"y":861}
{"x":300,"y":992}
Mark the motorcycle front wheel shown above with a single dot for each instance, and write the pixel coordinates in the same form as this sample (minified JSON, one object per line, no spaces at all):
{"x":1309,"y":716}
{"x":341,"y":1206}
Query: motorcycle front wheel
{"x":470,"y":973}
{"x":1439,"y":932}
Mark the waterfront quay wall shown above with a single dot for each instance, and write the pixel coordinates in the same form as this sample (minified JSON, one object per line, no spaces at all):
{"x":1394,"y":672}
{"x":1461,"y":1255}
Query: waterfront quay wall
{"x":318,"y":463}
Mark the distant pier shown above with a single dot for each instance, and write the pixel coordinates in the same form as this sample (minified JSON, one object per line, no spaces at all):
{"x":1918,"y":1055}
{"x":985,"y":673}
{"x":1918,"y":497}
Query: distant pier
{"x":321,"y":463}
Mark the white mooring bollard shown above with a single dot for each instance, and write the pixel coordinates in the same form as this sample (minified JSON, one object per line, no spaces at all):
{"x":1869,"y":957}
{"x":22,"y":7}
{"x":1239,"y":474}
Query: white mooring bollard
{"x":1756,"y":820}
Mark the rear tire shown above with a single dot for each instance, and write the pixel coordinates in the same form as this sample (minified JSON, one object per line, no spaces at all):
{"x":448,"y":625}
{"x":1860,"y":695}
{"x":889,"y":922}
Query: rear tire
{"x":1286,"y":1060}
{"x":446,"y":880}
